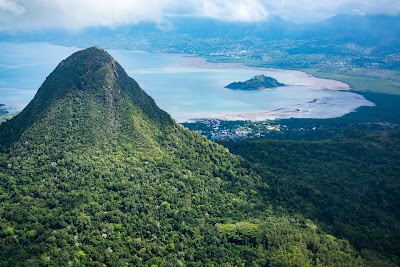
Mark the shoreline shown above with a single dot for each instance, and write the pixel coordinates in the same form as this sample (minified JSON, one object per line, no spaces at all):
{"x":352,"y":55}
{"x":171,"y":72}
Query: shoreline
{"x":184,"y":63}
{"x":303,"y":78}
{"x":299,"y":111}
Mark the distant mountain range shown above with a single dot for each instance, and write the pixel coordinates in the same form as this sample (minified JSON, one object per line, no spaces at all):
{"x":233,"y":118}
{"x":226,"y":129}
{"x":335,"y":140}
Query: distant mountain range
{"x":342,"y":27}
{"x":344,"y":40}
{"x":345,"y":28}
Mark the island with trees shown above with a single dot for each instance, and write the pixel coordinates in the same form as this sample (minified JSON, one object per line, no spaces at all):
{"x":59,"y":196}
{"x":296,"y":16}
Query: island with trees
{"x":258,"y":82}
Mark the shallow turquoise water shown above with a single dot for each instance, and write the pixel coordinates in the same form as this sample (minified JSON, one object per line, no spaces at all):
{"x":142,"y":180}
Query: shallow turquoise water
{"x":184,"y":86}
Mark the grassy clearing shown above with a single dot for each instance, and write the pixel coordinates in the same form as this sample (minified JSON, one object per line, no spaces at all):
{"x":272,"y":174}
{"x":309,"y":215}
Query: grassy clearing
{"x":360,"y":83}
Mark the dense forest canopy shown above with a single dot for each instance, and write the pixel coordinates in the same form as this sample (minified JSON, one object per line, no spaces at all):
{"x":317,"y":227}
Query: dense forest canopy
{"x":350,"y":185}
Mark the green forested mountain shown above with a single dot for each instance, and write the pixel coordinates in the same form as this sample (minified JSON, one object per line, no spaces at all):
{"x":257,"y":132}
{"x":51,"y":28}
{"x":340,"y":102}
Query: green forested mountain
{"x":93,"y":173}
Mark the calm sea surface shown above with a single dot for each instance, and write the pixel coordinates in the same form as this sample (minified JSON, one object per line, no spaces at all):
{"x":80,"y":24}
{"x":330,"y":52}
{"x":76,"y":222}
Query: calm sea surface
{"x":184,"y":86}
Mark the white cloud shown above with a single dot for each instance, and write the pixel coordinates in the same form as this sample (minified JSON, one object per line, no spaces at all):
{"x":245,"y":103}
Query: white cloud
{"x":77,"y":14}
{"x":234,"y":10}
{"x":10,"y":7}
{"x":311,"y":10}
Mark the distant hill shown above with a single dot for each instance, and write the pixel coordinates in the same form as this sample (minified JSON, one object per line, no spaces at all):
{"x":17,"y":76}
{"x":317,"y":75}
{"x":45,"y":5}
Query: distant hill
{"x":256,"y":83}
{"x":343,"y":40}
{"x":377,"y":29}
{"x":347,"y":28}
{"x":93,"y":173}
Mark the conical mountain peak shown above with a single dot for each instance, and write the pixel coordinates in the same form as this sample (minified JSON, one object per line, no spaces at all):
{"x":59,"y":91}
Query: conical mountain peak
{"x":89,"y":68}
{"x":91,"y":91}
{"x":89,"y":58}
{"x":92,"y":54}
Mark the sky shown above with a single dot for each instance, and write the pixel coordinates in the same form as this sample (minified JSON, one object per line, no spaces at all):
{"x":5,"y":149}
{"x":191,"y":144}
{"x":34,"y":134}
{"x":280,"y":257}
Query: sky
{"x":78,"y":14}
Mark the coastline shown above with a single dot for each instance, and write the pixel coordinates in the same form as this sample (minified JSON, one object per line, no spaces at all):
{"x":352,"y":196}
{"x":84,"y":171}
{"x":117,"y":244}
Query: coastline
{"x":264,"y":105}
{"x":309,"y":110}
{"x":301,"y":78}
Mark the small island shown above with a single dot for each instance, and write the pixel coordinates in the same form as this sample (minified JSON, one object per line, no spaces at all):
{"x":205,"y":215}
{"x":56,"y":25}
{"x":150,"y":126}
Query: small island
{"x":256,"y":83}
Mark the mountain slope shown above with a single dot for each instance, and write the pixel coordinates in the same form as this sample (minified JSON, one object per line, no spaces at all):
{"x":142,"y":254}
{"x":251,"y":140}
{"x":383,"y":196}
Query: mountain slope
{"x":93,"y":173}
{"x":92,"y":85}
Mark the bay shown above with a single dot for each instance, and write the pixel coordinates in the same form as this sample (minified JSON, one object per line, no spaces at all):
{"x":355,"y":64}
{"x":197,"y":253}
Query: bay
{"x":185,"y":86}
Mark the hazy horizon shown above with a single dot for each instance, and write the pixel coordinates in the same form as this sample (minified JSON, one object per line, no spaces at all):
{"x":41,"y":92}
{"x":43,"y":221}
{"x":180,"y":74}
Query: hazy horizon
{"x":75,"y":15}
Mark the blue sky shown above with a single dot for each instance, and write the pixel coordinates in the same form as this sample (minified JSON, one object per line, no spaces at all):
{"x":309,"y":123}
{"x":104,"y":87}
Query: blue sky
{"x":78,"y":14}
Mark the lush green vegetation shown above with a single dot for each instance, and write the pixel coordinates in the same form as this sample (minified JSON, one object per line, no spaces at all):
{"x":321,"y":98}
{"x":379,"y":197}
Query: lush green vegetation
{"x":350,"y":186}
{"x":93,"y":173}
